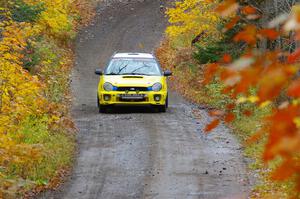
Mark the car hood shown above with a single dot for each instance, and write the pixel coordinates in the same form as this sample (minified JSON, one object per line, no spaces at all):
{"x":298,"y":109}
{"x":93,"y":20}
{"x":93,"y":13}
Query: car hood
{"x":132,"y":80}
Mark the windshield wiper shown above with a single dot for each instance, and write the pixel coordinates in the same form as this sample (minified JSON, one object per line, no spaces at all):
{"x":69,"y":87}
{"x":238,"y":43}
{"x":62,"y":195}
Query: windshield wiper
{"x":111,"y":74}
{"x":121,"y":69}
{"x":134,"y":74}
{"x":144,"y":66}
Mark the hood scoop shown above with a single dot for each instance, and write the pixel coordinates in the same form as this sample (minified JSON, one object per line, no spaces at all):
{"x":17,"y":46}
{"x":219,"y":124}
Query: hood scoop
{"x":132,"y":77}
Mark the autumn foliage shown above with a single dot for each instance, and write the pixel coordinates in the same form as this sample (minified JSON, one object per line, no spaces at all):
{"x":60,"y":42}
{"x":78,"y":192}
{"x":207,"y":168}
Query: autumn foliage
{"x":35,"y":62}
{"x":248,"y":67}
{"x":273,"y":73}
{"x":187,"y":21}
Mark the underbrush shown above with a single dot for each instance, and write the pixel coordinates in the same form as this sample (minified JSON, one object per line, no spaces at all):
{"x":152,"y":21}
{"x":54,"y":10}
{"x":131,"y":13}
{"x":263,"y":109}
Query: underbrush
{"x":187,"y":79}
{"x":55,"y":152}
{"x":37,"y":139}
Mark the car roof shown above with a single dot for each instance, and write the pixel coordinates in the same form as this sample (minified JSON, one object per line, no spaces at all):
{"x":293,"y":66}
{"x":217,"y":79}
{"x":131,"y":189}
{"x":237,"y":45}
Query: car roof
{"x":133,"y":55}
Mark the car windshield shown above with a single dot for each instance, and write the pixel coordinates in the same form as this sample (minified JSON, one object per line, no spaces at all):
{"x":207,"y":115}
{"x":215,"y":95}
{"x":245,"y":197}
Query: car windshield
{"x":127,"y":66}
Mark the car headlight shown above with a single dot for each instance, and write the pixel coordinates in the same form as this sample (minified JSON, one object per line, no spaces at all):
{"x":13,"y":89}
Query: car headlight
{"x":108,"y":86}
{"x":157,"y":87}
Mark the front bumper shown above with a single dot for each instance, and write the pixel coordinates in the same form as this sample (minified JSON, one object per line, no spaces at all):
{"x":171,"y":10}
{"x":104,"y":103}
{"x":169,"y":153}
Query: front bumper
{"x":149,"y":98}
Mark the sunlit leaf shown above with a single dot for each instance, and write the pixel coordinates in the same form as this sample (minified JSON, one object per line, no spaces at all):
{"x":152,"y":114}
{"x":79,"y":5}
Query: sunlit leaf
{"x":269,"y":33}
{"x":294,"y":89}
{"x":294,"y":57}
{"x":248,"y":35}
{"x":229,"y":118}
{"x":232,"y":23}
{"x":227,"y":7}
{"x":248,"y":10}
{"x":212,"y":125}
{"x":247,"y":113}
{"x":285,"y":171}
{"x":211,"y":69}
{"x":215,"y":113}
{"x":227,"y":58}
{"x":255,"y":137}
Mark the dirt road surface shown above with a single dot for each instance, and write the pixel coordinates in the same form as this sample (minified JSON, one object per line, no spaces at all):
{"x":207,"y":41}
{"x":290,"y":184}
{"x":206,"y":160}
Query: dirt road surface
{"x":136,"y":153}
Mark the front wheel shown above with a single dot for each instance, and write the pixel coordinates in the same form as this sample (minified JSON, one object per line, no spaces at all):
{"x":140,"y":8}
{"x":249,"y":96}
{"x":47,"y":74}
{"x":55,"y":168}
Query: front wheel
{"x":101,"y":108}
{"x":163,"y":108}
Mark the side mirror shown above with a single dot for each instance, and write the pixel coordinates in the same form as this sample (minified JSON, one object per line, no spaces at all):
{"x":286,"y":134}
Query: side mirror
{"x":167,"y":73}
{"x":98,"y":72}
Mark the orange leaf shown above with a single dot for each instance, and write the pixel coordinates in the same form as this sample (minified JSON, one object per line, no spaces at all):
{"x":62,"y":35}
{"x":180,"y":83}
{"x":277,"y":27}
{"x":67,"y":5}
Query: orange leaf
{"x":227,"y":90}
{"x":248,"y":35}
{"x":269,"y":33}
{"x":215,"y":113}
{"x":294,"y":89}
{"x":271,"y":84}
{"x":284,"y":171}
{"x":232,"y":23}
{"x":294,"y":57}
{"x":248,"y":10}
{"x":254,"y":138}
{"x":227,"y":58}
{"x":227,"y":7}
{"x":230,"y":106}
{"x":229,"y":117}
{"x":297,"y":36}
{"x":212,"y":125}
{"x":210,"y":71}
{"x":228,"y":73}
{"x":247,"y":113}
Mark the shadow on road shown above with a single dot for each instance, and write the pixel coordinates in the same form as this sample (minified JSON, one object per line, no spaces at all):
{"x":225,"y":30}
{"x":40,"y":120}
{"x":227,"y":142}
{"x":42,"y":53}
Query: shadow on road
{"x":132,"y":109}
{"x":88,"y":110}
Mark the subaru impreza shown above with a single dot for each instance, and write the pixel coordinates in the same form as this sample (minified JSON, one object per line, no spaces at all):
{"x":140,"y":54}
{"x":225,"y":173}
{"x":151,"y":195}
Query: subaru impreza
{"x":132,"y":79}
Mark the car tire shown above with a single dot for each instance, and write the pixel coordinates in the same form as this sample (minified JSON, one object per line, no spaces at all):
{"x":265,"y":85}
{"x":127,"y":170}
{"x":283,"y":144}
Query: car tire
{"x":101,"y":108}
{"x":98,"y":101}
{"x":167,"y":101}
{"x":163,"y":108}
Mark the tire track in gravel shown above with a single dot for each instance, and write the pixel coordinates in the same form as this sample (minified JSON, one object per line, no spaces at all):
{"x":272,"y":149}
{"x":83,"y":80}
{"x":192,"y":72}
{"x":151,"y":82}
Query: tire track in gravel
{"x":135,"y":153}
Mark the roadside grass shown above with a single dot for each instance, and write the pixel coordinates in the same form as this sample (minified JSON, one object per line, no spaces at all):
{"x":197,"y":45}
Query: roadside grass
{"x":3,"y":3}
{"x":53,"y":67}
{"x":187,"y":79}
{"x":52,"y":132}
{"x":51,"y":153}
{"x":56,"y":151}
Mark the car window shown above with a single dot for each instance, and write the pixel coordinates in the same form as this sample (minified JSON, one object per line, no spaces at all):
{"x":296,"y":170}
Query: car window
{"x":133,"y":66}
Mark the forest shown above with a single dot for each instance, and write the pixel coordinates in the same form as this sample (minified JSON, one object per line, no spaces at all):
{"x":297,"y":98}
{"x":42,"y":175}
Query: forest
{"x":37,"y":133}
{"x":239,"y":59}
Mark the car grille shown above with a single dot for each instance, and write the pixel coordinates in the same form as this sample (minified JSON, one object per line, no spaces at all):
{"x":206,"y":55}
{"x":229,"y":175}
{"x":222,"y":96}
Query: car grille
{"x":132,"y":98}
{"x":132,"y":89}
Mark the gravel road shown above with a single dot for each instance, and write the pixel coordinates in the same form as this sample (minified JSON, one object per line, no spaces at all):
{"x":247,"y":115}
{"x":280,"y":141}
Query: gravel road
{"x":136,"y":153}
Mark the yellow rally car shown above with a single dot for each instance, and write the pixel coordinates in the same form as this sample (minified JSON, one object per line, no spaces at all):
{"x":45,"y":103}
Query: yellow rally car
{"x":133,"y":79}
